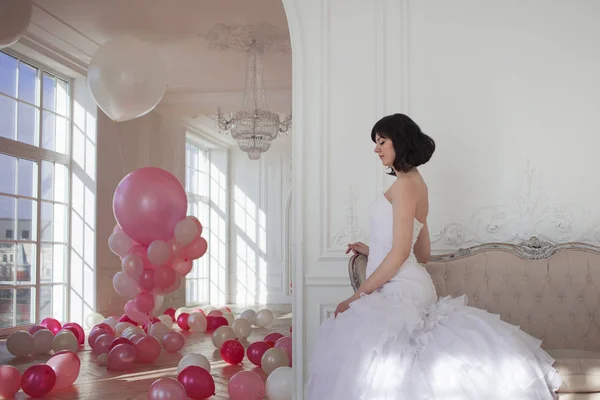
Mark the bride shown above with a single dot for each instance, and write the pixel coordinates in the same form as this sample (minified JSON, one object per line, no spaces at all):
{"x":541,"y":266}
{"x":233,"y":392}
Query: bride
{"x":394,"y":339}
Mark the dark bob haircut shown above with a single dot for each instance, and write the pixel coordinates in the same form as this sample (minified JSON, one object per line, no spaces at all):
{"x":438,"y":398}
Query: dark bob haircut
{"x":412,"y":146}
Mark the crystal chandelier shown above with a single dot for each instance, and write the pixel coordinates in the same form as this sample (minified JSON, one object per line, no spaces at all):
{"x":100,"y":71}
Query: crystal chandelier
{"x":254,"y":127}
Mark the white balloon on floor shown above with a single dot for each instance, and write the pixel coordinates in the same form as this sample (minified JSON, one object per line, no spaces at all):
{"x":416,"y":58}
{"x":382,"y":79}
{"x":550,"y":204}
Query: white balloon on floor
{"x":19,"y":344}
{"x":93,"y":319}
{"x":127,"y":78}
{"x":250,"y":316}
{"x":15,"y":16}
{"x":280,"y":384}
{"x":242,"y":328}
{"x":193,"y":359}
{"x":264,"y":318}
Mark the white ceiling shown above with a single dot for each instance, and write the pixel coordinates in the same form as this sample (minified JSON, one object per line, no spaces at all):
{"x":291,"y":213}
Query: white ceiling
{"x":199,"y":41}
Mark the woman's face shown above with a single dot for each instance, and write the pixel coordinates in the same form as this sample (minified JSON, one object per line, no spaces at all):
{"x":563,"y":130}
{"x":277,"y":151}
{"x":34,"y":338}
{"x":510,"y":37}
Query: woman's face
{"x":384,"y":148}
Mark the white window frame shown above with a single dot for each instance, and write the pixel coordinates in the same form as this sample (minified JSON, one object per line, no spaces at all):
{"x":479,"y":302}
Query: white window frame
{"x":38,"y":154}
{"x":206,"y":142}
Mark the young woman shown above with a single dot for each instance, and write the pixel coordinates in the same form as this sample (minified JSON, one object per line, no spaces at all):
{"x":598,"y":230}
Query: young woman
{"x":394,"y":339}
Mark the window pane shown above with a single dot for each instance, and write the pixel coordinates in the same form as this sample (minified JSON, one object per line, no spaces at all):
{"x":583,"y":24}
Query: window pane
{"x":28,"y":124}
{"x":47,"y":180}
{"x":61,"y":135}
{"x":60,"y":183}
{"x":8,"y":116}
{"x":47,"y":222}
{"x":62,"y":97}
{"x":27,"y":178}
{"x":28,"y":87}
{"x":24,"y":262}
{"x":46,"y":259}
{"x":25,"y":306}
{"x":8,"y":169}
{"x":7,"y":218}
{"x":49,"y":92}
{"x":7,"y":258}
{"x":27,"y":219}
{"x":6,"y":306}
{"x":58,"y":263}
{"x":48,"y":130}
{"x":8,"y":73}
{"x":60,"y":223}
{"x":51,"y":302}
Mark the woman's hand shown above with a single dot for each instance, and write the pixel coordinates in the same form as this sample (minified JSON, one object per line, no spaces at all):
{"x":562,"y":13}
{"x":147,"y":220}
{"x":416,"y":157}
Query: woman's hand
{"x":358,"y":248}
{"x":343,"y":306}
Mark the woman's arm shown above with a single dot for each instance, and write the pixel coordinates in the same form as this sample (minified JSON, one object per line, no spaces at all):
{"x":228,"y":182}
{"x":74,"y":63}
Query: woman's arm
{"x":423,"y":245}
{"x":404,"y":193}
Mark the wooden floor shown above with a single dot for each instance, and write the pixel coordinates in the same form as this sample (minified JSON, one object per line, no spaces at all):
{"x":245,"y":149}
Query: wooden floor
{"x":95,"y":382}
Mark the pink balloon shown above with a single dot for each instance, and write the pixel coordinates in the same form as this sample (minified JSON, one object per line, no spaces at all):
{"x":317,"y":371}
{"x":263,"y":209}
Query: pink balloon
{"x":38,"y":380}
{"x":142,"y":253}
{"x":66,"y":369}
{"x":147,"y":349}
{"x":95,"y":333}
{"x":183,"y":266}
{"x":215,"y":313}
{"x":246,"y":385}
{"x":10,"y":381}
{"x":117,"y":229}
{"x":146,"y":279}
{"x":121,"y":357}
{"x":255,"y":352}
{"x":175,"y":248}
{"x":285,"y":344}
{"x":174,"y":286}
{"x":125,"y":318}
{"x":144,"y":301}
{"x":118,"y":341}
{"x":166,"y":389}
{"x":102,"y":344}
{"x":173,"y":341}
{"x":273,"y":337}
{"x":53,"y":325}
{"x":135,"y":314}
{"x":148,"y":203}
{"x":196,"y":249}
{"x":34,"y":328}
{"x":164,"y":277}
{"x":136,"y":338}
{"x":198,"y":224}
{"x":77,"y":331}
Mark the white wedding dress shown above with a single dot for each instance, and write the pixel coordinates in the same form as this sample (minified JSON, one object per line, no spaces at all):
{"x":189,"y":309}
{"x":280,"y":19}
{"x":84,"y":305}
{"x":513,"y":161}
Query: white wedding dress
{"x":402,"y":343}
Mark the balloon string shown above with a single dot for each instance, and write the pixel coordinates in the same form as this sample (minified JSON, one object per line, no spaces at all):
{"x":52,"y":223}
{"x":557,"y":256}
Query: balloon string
{"x":118,"y":134}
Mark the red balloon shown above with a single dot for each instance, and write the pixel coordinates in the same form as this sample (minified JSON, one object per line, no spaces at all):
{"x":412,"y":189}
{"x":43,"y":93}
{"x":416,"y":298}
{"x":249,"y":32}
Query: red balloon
{"x":53,"y":325}
{"x":34,"y":328}
{"x":38,"y":380}
{"x":212,"y":323}
{"x":78,"y":331}
{"x":108,"y":328}
{"x":255,"y":352}
{"x":171,"y":313}
{"x":270,"y":343}
{"x":182,"y":321}
{"x":232,"y":352}
{"x":273,"y":337}
{"x":125,"y":318}
{"x":118,"y":341}
{"x":197,"y":381}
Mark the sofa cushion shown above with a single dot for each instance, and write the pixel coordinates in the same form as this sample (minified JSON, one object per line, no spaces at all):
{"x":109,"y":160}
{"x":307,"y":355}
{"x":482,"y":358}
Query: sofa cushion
{"x":579,"y":369}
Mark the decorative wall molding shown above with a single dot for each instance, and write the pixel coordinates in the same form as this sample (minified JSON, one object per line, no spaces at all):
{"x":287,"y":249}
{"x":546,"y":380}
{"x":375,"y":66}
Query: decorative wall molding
{"x":351,"y":232}
{"x":328,"y":281}
{"x":530,"y":213}
{"x":326,"y":311}
{"x":238,"y":38}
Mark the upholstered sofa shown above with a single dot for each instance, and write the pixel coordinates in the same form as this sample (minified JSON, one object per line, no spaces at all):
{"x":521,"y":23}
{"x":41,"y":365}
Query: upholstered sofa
{"x":551,"y":291}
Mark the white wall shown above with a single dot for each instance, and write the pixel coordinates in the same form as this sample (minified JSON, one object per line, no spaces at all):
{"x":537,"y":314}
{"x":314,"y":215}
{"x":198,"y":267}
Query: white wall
{"x":152,"y":140}
{"x":260,"y":225}
{"x":507,"y":89}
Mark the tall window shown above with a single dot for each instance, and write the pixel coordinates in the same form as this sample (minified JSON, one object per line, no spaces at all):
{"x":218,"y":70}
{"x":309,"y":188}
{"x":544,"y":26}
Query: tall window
{"x":35,"y":143}
{"x":206,"y":187}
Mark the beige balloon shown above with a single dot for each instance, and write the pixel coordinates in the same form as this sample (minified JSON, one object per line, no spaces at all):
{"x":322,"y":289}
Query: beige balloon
{"x":242,"y":328}
{"x":264,"y":318}
{"x":165,"y":319}
{"x":42,"y":341}
{"x":197,"y":322}
{"x":280,"y":384}
{"x":221,"y":335}
{"x":159,"y":330}
{"x":65,"y":340}
{"x":229,"y":317}
{"x":129,"y":332}
{"x":111,"y":321}
{"x":273,"y":359}
{"x":197,"y":360}
{"x":19,"y":344}
{"x":249,"y":315}
{"x":120,"y":328}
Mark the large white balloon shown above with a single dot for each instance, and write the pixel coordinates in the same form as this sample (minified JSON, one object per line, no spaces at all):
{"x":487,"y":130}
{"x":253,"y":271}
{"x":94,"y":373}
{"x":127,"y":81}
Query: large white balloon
{"x":15,"y":16}
{"x":193,"y":359}
{"x":127,"y":78}
{"x":280,"y":384}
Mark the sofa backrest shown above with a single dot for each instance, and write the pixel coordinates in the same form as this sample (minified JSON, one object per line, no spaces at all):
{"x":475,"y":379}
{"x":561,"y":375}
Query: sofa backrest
{"x":551,"y":291}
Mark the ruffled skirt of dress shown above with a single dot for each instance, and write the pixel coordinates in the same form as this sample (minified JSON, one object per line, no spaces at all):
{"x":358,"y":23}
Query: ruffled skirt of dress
{"x":385,"y":348}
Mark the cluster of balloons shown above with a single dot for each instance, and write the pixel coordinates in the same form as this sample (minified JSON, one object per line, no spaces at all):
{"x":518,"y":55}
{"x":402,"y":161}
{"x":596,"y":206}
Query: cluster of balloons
{"x":155,"y":240}
{"x":59,"y":372}
{"x":120,"y":343}
{"x":127,"y":78}
{"x":47,"y":336}
{"x":15,"y":16}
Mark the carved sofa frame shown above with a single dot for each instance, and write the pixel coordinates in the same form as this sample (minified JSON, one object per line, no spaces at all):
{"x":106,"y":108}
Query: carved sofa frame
{"x":552,"y":291}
